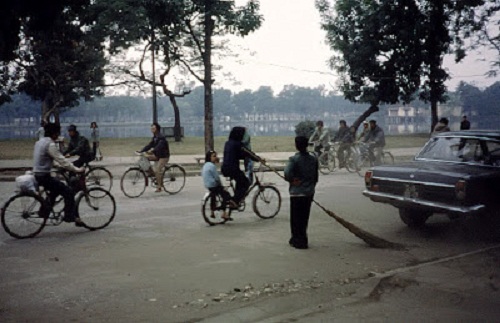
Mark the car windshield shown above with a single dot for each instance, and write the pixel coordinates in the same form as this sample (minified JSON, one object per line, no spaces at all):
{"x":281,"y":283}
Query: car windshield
{"x":462,"y":149}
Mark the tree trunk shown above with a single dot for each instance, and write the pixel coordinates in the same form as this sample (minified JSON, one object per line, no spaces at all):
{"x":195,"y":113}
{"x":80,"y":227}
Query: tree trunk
{"x":207,"y":82}
{"x":372,"y":109}
{"x":177,"y":118}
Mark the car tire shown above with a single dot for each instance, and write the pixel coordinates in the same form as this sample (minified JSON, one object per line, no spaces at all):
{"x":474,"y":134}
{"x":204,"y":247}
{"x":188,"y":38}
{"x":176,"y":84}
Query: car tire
{"x":413,"y":218}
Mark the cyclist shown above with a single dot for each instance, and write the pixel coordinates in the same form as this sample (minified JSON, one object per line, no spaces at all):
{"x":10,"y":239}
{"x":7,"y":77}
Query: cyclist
{"x":212,"y":182}
{"x":365,"y":131}
{"x":233,"y":152}
{"x":345,"y":137}
{"x":320,"y":137}
{"x":78,"y":146}
{"x":158,"y":151}
{"x":46,"y":152}
{"x":376,"y":142}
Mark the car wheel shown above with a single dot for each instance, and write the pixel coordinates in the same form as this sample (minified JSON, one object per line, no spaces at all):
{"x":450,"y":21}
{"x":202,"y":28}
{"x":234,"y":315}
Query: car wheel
{"x":413,"y":218}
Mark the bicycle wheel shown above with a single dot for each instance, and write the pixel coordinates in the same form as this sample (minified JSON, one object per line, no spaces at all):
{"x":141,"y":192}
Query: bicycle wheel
{"x":326,"y":163}
{"x":96,"y":208}
{"x":174,"y":179}
{"x":352,"y":161}
{"x":387,"y":158}
{"x":24,"y":215}
{"x":266,"y":202}
{"x":212,"y":209}
{"x":133,"y":182}
{"x":99,"y":177}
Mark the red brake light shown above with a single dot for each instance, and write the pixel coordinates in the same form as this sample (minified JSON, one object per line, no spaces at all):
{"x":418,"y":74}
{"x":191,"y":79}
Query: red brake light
{"x":460,"y":189}
{"x":368,"y":178}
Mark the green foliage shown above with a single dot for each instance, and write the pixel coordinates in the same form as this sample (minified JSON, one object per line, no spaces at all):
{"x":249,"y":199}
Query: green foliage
{"x":305,"y":128}
{"x":387,"y":51}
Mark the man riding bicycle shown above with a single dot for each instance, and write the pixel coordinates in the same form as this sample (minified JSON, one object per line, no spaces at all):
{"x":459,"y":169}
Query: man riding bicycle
{"x":78,"y":146}
{"x":375,"y":140}
{"x":345,"y":137}
{"x":46,"y":152}
{"x":158,"y":151}
{"x":320,"y":138}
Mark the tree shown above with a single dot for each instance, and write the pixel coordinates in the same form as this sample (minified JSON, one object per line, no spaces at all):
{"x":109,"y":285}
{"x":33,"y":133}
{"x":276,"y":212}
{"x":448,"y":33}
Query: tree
{"x":181,"y":31}
{"x":208,"y":19}
{"x":388,"y":52}
{"x":56,"y":64}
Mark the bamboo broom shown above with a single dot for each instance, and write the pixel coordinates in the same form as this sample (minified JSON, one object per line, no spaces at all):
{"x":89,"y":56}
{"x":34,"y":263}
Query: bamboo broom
{"x":370,"y":239}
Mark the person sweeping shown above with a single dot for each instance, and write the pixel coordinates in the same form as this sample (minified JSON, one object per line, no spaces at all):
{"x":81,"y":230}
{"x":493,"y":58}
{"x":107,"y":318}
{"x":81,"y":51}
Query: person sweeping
{"x":302,"y":174}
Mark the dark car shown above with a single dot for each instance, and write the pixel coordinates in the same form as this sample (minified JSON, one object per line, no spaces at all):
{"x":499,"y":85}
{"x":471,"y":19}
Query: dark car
{"x":457,"y":173}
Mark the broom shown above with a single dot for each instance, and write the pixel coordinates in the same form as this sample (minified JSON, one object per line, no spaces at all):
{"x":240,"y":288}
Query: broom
{"x":370,"y":239}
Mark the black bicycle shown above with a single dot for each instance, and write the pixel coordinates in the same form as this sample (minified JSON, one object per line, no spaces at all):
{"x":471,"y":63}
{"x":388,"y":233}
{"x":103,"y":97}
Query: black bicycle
{"x":25,"y":214}
{"x":95,"y":176}
{"x":266,"y":201}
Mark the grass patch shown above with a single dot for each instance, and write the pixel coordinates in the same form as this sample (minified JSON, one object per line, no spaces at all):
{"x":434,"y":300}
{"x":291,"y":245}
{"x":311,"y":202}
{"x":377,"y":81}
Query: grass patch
{"x":124,"y":147}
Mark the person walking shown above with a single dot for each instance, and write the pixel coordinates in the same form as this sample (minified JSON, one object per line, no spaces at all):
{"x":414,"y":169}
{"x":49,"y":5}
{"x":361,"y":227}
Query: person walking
{"x":301,"y":172}
{"x":465,"y":124}
{"x":94,"y":138}
{"x":45,"y":153}
{"x":158,"y":151}
{"x":212,"y":182}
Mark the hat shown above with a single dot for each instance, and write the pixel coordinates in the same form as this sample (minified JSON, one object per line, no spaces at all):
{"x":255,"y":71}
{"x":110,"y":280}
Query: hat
{"x":365,"y":122}
{"x":72,"y":127}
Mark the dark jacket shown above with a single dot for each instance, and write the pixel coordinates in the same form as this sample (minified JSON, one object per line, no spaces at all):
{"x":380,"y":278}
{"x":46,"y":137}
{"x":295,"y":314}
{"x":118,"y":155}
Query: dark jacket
{"x":302,"y":167}
{"x":233,"y":153}
{"x":343,"y":135}
{"x":160,"y":146}
{"x":79,"y":146}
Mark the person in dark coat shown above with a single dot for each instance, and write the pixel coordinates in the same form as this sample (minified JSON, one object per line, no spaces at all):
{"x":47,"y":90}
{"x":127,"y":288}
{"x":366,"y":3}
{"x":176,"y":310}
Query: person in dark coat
{"x":158,"y":151}
{"x":465,"y":124}
{"x":78,"y":146}
{"x":302,"y":174}
{"x":233,"y":153}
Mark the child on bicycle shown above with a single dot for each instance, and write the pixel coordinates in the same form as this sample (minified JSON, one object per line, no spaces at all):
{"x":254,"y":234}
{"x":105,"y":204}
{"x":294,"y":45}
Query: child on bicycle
{"x":212,"y":182}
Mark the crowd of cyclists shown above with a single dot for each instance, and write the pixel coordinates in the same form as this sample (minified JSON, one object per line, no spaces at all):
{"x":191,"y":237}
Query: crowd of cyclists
{"x":372,"y":138}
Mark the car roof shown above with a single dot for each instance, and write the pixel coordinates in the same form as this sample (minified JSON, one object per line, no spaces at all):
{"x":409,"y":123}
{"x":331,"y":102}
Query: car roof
{"x":493,"y":134}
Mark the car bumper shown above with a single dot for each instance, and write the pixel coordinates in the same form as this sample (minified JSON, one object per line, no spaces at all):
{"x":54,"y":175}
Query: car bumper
{"x":410,"y":202}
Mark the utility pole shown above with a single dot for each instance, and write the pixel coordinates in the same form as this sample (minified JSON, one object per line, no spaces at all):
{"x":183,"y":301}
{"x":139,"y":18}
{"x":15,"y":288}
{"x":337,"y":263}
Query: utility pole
{"x":155,"y":110}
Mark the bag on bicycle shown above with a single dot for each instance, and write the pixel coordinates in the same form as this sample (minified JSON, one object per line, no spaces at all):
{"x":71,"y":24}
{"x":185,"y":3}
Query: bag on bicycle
{"x":27,"y":182}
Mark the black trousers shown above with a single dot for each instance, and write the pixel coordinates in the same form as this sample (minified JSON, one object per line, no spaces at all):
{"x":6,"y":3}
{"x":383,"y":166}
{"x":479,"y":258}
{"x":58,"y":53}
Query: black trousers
{"x":56,"y":188}
{"x":300,"y":209}
{"x":220,"y":191}
{"x":242,"y":185}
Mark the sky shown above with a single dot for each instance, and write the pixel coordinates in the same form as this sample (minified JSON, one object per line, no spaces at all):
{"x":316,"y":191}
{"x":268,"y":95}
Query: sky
{"x":290,"y":48}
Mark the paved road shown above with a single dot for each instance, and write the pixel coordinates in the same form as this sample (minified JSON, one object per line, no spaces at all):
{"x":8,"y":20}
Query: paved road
{"x":159,"y":262}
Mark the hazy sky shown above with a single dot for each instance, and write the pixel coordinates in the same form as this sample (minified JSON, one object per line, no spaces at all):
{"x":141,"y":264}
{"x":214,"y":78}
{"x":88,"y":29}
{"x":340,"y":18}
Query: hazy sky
{"x":290,"y":49}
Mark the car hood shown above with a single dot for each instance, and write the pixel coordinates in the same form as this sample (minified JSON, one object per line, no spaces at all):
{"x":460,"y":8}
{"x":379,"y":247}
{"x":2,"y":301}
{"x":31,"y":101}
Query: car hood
{"x":434,"y":171}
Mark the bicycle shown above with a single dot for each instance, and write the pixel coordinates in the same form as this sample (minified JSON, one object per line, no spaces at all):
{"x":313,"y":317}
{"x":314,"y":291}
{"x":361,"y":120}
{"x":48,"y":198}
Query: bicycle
{"x":266,"y":202}
{"x":327,"y":159}
{"x":25,"y":214}
{"x":365,"y":157}
{"x":136,"y":178}
{"x":95,"y":176}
